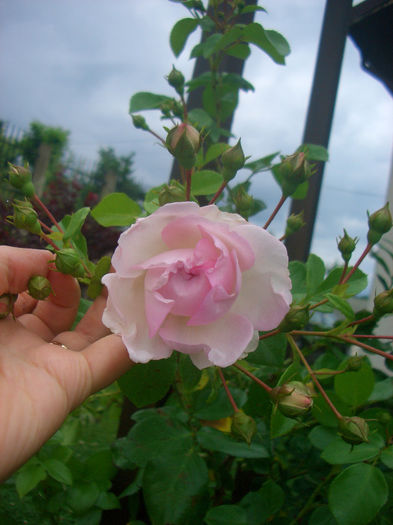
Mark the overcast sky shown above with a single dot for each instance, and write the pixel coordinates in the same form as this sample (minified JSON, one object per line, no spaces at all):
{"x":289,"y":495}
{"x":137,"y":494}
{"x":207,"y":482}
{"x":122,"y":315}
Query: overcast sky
{"x":75,"y":64}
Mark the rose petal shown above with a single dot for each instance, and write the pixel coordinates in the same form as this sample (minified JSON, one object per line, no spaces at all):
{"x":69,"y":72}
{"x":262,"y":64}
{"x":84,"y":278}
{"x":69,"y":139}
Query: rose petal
{"x":223,"y":341}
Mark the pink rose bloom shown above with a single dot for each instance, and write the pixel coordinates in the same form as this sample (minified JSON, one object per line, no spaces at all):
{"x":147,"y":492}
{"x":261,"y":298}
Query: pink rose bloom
{"x":196,"y":280}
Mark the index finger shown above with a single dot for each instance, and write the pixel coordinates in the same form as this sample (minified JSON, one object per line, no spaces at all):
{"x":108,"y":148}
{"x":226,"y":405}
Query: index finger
{"x":17,"y":265}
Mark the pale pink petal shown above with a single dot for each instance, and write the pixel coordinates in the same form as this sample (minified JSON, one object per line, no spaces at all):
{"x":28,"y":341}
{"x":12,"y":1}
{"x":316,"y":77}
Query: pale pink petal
{"x":223,"y":341}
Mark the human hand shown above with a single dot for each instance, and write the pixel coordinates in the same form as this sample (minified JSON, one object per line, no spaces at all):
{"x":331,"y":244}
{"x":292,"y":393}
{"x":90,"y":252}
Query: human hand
{"x":45,"y":370}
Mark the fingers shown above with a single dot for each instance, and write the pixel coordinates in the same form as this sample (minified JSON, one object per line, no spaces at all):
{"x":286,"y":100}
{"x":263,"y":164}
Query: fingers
{"x":17,"y":265}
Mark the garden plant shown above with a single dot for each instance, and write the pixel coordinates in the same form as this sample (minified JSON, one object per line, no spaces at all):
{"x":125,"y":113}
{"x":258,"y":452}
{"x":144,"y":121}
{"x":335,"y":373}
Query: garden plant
{"x":244,"y":406}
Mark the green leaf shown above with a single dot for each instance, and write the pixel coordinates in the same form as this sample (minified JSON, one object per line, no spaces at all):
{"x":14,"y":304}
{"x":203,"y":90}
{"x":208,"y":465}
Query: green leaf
{"x":357,"y":494}
{"x":217,"y":441}
{"x":341,"y":305}
{"x":226,"y":39}
{"x":101,"y":268}
{"x":82,"y":496}
{"x":383,"y":390}
{"x":147,"y":383}
{"x":315,"y":273}
{"x":322,"y":516}
{"x":280,"y":424}
{"x":321,"y":436}
{"x":226,"y":515}
{"x":200,"y":118}
{"x":297,"y":273}
{"x":217,"y":406}
{"x":314,"y":152}
{"x":145,"y":100}
{"x":261,"y":164}
{"x":205,"y":182}
{"x":174,"y":487}
{"x":214,"y":151}
{"x":99,"y":466}
{"x":338,"y":452}
{"x":271,"y":42}
{"x":180,"y":32}
{"x":108,"y":500}
{"x":58,"y":471}
{"x":116,"y":209}
{"x":28,"y":478}
{"x":262,"y":505}
{"x":241,"y":51}
{"x":270,"y":351}
{"x":76,"y":223}
{"x":387,"y":457}
{"x":354,"y":388}
{"x":323,"y":413}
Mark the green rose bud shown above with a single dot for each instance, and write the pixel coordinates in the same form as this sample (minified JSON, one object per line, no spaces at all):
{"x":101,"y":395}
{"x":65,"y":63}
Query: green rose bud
{"x":293,"y":399}
{"x":25,"y":217}
{"x":242,"y":200}
{"x":346,"y":246}
{"x":39,"y":287}
{"x":139,"y":122}
{"x":354,"y":363}
{"x":183,"y":142}
{"x":19,"y":175}
{"x":7,"y":301}
{"x":28,"y":190}
{"x":176,"y":80}
{"x":243,"y":426}
{"x":295,"y":222}
{"x":293,"y":171}
{"x":383,"y":303}
{"x":296,"y":319}
{"x":379,"y":222}
{"x":67,"y":261}
{"x":173,"y":192}
{"x":353,"y":430}
{"x":232,"y":161}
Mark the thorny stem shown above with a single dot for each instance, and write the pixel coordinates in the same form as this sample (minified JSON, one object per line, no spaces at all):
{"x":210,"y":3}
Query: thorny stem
{"x":295,"y":347}
{"x":219,"y":191}
{"x":48,"y":213}
{"x":228,"y":393}
{"x":254,"y":378}
{"x":275,"y":211}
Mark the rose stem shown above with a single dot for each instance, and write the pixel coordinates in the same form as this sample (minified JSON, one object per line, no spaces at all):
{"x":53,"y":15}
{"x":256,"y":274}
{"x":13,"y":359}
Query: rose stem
{"x":157,"y":136}
{"x":230,"y":397}
{"x":254,"y":378}
{"x":355,"y":266}
{"x":345,"y":269}
{"x":49,"y":241}
{"x":295,"y":347}
{"x":270,"y":334}
{"x":365,"y":346}
{"x":219,"y":191}
{"x":359,"y":321}
{"x":346,"y":339}
{"x":188,"y":184}
{"x":275,"y":211}
{"x":45,"y":209}
{"x":45,"y":226}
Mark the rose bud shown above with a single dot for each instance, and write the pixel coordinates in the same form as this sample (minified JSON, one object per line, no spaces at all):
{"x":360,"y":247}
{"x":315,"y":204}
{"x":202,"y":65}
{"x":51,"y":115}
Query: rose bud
{"x":232,"y":160}
{"x":173,"y":192}
{"x":383,"y":303}
{"x":67,"y":261}
{"x":176,"y":80}
{"x":7,"y":301}
{"x":353,"y":430}
{"x":242,"y":200}
{"x":19,"y":175}
{"x":25,"y":217}
{"x":183,"y":142}
{"x":243,"y":426}
{"x":379,"y":223}
{"x":346,"y":246}
{"x":296,"y":319}
{"x":39,"y":287}
{"x":293,"y":399}
{"x":354,"y":363}
{"x":293,"y":170}
{"x":139,"y":122}
{"x":295,"y":222}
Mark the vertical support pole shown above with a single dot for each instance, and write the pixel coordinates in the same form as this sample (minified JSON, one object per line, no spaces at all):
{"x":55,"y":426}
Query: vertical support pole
{"x":320,"y":114}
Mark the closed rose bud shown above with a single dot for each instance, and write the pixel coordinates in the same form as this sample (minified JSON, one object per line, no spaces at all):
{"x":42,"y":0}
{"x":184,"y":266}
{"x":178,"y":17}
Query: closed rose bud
{"x":39,"y":287}
{"x":353,"y":430}
{"x":183,"y":142}
{"x":232,"y":160}
{"x":293,"y":170}
{"x":383,"y":303}
{"x":354,"y":363}
{"x":67,"y":261}
{"x":173,"y":192}
{"x":242,"y":200}
{"x":346,"y":246}
{"x":139,"y":122}
{"x":176,"y":80}
{"x":296,"y":319}
{"x":293,"y":399}
{"x":19,"y":175}
{"x":294,"y":223}
{"x":28,"y":190}
{"x":243,"y":426}
{"x":7,"y":301}
{"x":25,"y":217}
{"x":379,"y":222}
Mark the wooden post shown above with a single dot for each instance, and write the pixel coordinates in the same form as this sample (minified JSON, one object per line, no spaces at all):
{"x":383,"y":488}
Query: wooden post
{"x":40,"y":168}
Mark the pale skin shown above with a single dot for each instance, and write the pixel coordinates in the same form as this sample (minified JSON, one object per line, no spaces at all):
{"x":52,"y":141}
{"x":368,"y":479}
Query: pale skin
{"x":42,"y":382}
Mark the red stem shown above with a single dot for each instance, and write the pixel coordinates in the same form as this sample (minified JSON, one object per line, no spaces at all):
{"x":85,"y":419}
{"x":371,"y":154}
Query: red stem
{"x":275,"y":211}
{"x":366,"y":347}
{"x":157,"y":136}
{"x":254,"y":378}
{"x":356,"y":265}
{"x":188,"y":184}
{"x":228,"y":393}
{"x":45,"y":226}
{"x":49,"y":241}
{"x":48,"y":213}
{"x":270,"y":334}
{"x":219,"y":191}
